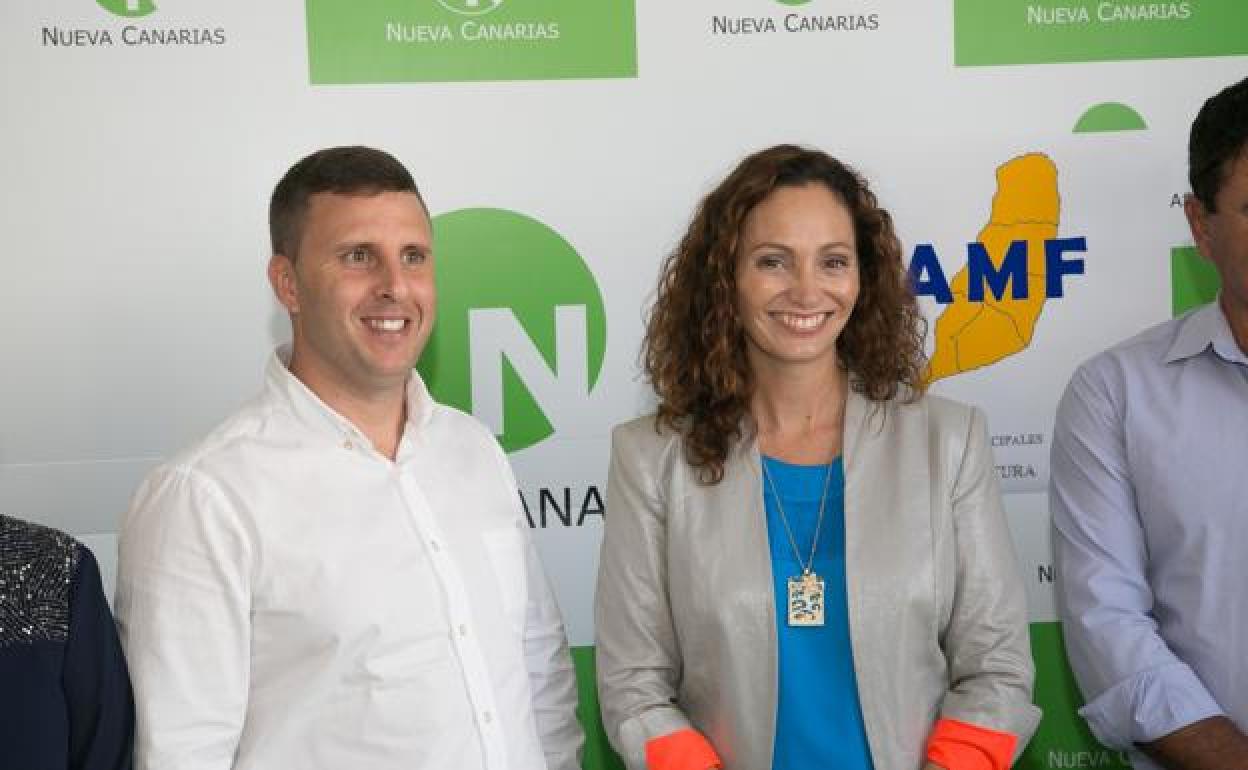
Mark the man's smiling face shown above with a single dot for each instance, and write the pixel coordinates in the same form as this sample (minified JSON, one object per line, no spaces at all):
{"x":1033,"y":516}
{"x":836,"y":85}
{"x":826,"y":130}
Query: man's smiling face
{"x":360,"y":291}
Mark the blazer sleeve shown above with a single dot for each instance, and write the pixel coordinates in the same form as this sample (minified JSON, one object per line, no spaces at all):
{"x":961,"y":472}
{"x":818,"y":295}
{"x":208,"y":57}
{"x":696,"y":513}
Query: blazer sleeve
{"x":986,"y":642}
{"x":638,"y":657}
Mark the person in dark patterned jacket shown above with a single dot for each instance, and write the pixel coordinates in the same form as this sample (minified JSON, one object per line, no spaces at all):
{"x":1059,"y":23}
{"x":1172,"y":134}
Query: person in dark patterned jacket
{"x":65,"y":699}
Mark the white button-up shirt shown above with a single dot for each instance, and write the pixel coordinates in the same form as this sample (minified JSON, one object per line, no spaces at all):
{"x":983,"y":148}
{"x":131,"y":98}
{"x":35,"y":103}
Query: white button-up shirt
{"x":290,"y":598}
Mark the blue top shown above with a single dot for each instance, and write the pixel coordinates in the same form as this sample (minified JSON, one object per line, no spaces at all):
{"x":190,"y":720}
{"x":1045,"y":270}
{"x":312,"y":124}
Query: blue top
{"x":818,"y":717}
{"x":1150,"y":513}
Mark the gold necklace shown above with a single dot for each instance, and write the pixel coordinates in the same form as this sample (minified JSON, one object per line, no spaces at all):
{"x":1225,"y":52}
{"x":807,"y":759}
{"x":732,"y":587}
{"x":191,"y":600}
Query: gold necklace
{"x":806,"y":594}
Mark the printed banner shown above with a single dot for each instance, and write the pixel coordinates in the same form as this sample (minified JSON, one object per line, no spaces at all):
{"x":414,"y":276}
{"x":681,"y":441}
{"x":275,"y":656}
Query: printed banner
{"x":1021,"y":32}
{"x":394,"y":41}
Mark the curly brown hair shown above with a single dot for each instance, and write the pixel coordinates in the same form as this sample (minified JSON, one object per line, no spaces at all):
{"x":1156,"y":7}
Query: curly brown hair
{"x":694,"y":350}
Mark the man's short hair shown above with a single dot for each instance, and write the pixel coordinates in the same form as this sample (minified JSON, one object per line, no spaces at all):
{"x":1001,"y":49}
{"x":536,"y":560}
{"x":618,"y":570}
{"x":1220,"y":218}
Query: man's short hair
{"x":1219,"y":136}
{"x":339,"y":170}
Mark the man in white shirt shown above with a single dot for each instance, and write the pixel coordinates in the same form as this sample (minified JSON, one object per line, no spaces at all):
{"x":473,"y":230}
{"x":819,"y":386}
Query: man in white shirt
{"x":340,"y":575}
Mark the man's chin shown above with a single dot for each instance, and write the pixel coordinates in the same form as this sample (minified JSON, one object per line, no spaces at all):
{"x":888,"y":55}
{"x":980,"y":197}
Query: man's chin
{"x":389,"y":362}
{"x":395,"y":373}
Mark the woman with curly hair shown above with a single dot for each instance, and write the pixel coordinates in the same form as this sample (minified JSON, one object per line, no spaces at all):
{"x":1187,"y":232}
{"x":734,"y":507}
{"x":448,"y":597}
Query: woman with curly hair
{"x":806,"y":563}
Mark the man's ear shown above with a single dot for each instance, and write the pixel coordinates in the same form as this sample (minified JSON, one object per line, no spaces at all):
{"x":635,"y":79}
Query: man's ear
{"x":282,"y":279}
{"x":1198,"y":221}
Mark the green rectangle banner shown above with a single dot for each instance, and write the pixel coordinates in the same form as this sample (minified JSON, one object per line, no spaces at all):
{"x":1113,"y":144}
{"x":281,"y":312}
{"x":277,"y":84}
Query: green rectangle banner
{"x":406,"y":41}
{"x":1062,"y":740}
{"x":988,"y":32}
{"x":598,"y":754}
{"x":1193,"y":280}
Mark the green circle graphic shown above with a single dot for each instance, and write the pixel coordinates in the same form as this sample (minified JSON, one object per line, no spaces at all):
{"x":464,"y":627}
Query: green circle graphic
{"x":470,"y":7}
{"x":1110,"y":116}
{"x":128,"y":8}
{"x":493,"y":258}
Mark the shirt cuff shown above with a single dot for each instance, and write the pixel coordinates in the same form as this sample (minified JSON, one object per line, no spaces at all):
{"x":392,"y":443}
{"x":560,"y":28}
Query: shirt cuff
{"x":1149,"y":705}
{"x":957,"y":745}
{"x":682,"y":750}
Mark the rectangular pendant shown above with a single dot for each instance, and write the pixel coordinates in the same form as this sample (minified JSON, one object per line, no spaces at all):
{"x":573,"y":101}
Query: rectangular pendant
{"x":806,"y":600}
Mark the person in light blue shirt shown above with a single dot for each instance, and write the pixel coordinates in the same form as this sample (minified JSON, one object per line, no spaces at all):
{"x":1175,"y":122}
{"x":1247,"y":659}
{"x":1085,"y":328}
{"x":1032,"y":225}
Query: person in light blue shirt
{"x":1150,"y":498}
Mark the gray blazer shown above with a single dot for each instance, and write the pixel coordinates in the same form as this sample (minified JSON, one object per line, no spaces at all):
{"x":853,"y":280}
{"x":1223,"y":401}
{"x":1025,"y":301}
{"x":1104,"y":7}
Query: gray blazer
{"x":686,"y":618}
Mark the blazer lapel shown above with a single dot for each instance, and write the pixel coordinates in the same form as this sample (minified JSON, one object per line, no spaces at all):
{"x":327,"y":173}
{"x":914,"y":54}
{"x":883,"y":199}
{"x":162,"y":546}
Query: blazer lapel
{"x":888,"y":555}
{"x":746,"y":557}
{"x":864,"y":425}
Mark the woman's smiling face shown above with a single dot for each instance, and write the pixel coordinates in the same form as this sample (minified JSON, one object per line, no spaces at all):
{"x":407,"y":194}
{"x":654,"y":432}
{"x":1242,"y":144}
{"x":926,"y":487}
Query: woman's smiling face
{"x":797,"y":276}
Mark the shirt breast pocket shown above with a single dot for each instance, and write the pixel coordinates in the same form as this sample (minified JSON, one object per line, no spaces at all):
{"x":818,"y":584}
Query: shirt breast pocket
{"x":506,"y":550}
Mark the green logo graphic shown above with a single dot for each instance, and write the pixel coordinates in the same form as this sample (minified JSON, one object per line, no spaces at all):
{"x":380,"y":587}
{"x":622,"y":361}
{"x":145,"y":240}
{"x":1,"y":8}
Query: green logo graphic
{"x":1193,"y":279}
{"x":793,"y":2}
{"x":1062,"y":740}
{"x":521,"y":330}
{"x":470,"y":7}
{"x":1110,"y":116}
{"x":411,"y":41}
{"x":128,"y":8}
{"x":989,"y":32}
{"x":598,"y":754}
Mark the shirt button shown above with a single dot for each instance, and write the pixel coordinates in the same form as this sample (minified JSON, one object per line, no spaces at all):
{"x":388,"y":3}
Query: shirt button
{"x":463,"y":630}
{"x":434,"y":545}
{"x":487,"y":717}
{"x":348,"y":445}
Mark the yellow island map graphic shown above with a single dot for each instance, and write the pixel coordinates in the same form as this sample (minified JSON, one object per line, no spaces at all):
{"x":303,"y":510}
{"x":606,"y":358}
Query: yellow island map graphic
{"x":973,"y":334}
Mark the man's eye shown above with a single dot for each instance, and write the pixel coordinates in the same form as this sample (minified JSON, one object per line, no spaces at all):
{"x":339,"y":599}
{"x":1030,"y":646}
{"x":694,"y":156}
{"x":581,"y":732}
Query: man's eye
{"x":414,"y":257}
{"x":357,"y":256}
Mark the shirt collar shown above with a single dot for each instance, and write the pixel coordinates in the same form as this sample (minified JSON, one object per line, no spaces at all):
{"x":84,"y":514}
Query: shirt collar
{"x":1204,"y":328}
{"x":309,"y":409}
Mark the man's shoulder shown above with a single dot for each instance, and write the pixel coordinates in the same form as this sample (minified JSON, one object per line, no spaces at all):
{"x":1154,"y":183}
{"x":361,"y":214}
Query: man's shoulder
{"x":1138,"y":354}
{"x":450,"y":422}
{"x":221,"y":447}
{"x":1133,"y":370}
{"x":449,"y":416}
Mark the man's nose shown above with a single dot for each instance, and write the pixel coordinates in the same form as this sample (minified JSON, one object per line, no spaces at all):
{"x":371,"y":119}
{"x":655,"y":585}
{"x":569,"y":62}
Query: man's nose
{"x":390,"y":280}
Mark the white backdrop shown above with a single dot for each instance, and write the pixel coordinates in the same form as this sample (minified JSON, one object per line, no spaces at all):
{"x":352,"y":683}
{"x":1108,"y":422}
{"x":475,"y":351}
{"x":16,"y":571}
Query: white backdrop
{"x":135,"y":311}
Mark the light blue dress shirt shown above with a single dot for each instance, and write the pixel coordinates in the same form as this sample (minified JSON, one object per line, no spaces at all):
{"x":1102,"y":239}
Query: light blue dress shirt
{"x":1149,"y":496}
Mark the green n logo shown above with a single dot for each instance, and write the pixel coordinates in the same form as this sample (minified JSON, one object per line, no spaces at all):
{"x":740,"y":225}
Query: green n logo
{"x":521,"y":330}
